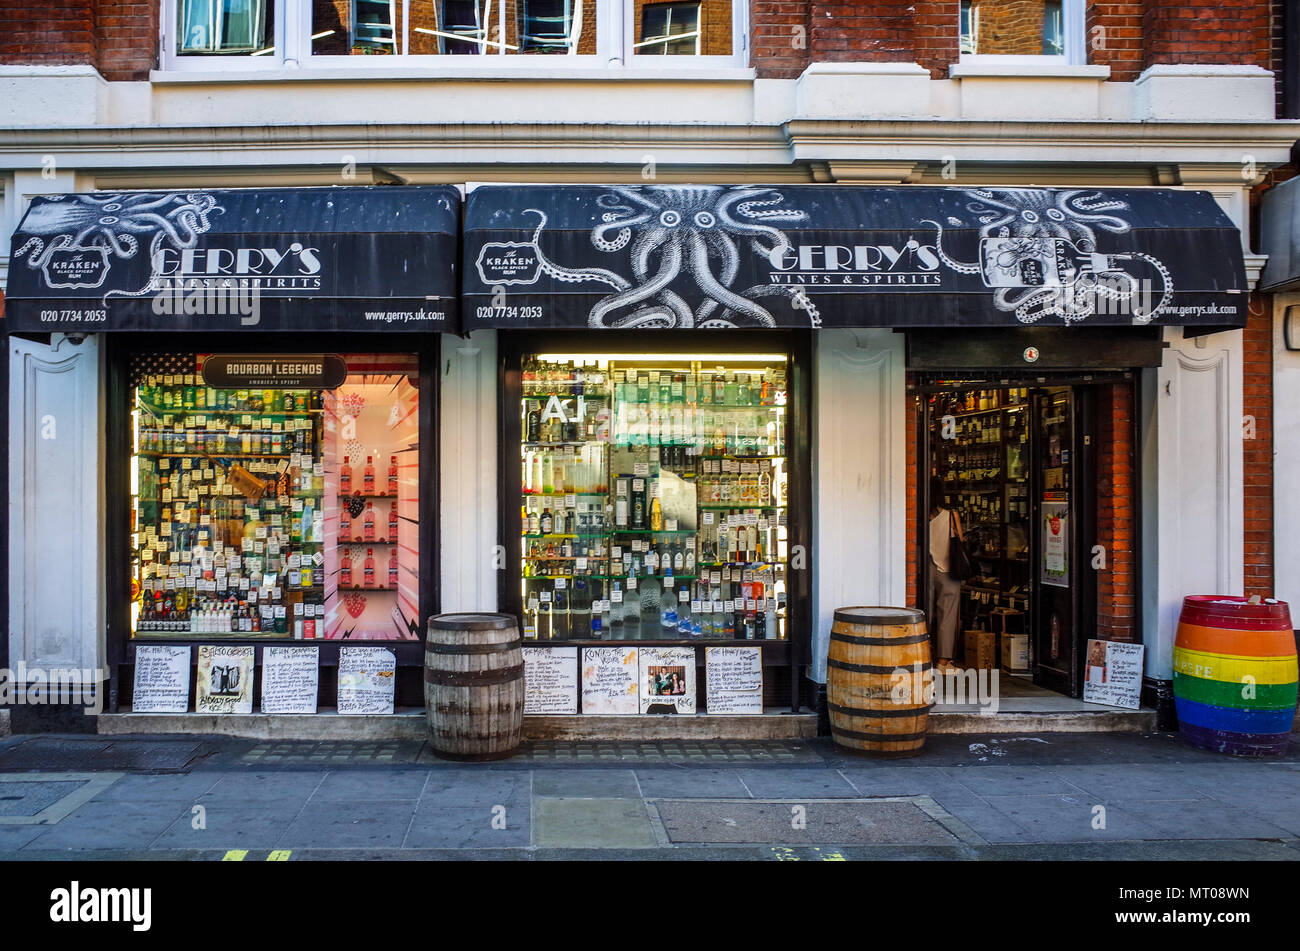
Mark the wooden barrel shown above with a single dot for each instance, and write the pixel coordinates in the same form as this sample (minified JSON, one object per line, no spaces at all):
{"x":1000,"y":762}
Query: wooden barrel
{"x":868,"y":714}
{"x":1235,"y":675}
{"x":474,"y":686}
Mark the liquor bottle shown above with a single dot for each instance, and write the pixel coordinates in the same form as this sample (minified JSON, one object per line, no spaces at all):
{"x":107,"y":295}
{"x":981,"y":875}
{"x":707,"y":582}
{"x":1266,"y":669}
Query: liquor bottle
{"x":580,"y":609}
{"x":651,"y":606}
{"x":656,"y":515}
{"x":345,"y":477}
{"x":560,"y":613}
{"x":616,"y":608}
{"x":392,"y":475}
{"x":632,"y":610}
{"x":368,"y":522}
{"x":345,"y":524}
{"x":368,"y":569}
{"x":392,"y":569}
{"x":392,"y":522}
{"x":345,"y":570}
{"x":547,"y":522}
{"x":720,"y":387}
{"x":368,"y":476}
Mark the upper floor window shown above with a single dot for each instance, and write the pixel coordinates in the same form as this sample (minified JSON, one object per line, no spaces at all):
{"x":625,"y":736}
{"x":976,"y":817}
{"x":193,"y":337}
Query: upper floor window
{"x":260,"y":33}
{"x":1022,"y":30}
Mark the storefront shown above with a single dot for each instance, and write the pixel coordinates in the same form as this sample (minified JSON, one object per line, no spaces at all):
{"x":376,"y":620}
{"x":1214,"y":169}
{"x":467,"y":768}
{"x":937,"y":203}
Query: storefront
{"x":1018,"y":316}
{"x":671,"y":428}
{"x":267,"y":366}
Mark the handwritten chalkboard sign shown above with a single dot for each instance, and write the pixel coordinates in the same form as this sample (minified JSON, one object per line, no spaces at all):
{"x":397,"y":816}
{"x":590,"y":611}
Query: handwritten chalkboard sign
{"x":609,"y":681}
{"x":162,"y":679}
{"x":290,"y":677}
{"x":225,"y":679}
{"x":733,"y":680}
{"x":550,"y":680}
{"x":667,"y":680}
{"x":366,"y":679}
{"x":1113,"y":673}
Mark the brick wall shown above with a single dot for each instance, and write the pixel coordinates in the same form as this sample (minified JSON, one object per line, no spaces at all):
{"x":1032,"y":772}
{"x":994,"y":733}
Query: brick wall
{"x":1116,"y":514}
{"x":1230,"y":31}
{"x":886,"y":31}
{"x":118,"y":37}
{"x":778,"y":31}
{"x":127,"y":38}
{"x":1009,"y":27}
{"x":1257,"y":445}
{"x":1113,"y":37}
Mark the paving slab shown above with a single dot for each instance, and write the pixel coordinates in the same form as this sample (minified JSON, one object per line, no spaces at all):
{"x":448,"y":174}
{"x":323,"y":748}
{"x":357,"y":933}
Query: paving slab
{"x":439,"y":826}
{"x":158,"y":787}
{"x":1112,"y":782}
{"x":263,"y":787}
{"x":228,"y":824}
{"x":878,"y":821}
{"x":789,"y":783}
{"x":362,"y":824}
{"x":373,"y":785}
{"x":682,"y":782}
{"x":467,"y":786}
{"x":586,"y":783}
{"x":1069,"y":819}
{"x":1012,"y":781}
{"x":1204,"y":819}
{"x":110,"y":825}
{"x":592,"y":823}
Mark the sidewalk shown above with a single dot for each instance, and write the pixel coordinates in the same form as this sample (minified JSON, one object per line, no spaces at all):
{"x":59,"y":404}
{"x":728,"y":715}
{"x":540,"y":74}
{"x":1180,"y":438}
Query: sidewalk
{"x":1059,"y":796}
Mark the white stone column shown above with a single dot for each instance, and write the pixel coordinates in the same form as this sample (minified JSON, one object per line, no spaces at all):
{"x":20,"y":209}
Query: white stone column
{"x":467,"y":480}
{"x":859,"y":489}
{"x":56,"y":509}
{"x":1192,"y":484}
{"x":1286,"y":456}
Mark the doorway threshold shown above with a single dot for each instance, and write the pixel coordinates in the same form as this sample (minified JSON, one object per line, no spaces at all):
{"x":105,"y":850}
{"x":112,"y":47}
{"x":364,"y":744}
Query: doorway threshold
{"x":1022,"y":706}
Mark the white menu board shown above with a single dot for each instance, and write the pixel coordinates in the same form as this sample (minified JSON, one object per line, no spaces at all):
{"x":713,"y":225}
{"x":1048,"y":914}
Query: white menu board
{"x":225,"y":679}
{"x":1113,"y":673}
{"x":667,"y":679}
{"x":290,"y":677}
{"x":162,"y":679}
{"x":550,"y":680}
{"x":609,"y":680}
{"x":733,"y":679}
{"x":367,"y":677}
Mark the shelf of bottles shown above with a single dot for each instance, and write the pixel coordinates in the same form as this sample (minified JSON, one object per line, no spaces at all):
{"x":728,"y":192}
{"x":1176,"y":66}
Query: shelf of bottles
{"x":227,"y":515}
{"x":981,"y":452}
{"x":653,"y":497}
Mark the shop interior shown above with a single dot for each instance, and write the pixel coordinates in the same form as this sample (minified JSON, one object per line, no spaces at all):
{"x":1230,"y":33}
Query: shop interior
{"x":1014,"y":466}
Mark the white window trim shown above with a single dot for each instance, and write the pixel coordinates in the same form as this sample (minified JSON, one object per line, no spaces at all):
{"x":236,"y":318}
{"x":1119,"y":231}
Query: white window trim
{"x":1073,"y":36}
{"x":292,"y":50}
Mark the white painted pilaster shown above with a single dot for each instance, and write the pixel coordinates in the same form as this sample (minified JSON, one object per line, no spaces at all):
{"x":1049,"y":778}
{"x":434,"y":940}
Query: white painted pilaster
{"x":1193,"y":528}
{"x":56,"y":507}
{"x":859,"y":490}
{"x":467,"y":482}
{"x":1286,"y":456}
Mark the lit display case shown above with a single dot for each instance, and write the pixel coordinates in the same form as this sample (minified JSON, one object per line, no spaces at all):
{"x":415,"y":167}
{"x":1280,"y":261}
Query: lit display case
{"x":653,"y":496}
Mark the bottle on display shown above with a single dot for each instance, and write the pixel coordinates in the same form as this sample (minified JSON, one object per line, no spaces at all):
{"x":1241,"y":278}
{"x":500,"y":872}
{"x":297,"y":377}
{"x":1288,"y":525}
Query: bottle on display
{"x":345,"y":477}
{"x":392,"y":475}
{"x":616,"y":610}
{"x":392,"y":569}
{"x":368,"y":522}
{"x":632,"y":610}
{"x":392,"y":522}
{"x":368,"y":569}
{"x":368,"y":476}
{"x":345,"y":570}
{"x":651,"y":606}
{"x":580,"y":609}
{"x":547,"y":523}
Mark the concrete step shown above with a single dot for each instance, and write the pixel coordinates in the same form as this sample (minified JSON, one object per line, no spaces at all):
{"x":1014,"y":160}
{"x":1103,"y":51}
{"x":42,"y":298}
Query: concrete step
{"x":410,"y":725}
{"x":1062,"y":721}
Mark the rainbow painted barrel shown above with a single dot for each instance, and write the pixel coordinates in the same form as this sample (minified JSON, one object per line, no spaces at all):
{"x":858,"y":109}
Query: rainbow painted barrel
{"x":1235,"y":675}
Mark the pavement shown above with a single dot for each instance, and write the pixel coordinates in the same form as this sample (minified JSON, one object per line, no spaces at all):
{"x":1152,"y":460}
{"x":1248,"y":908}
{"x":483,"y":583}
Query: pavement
{"x":1113,"y":796}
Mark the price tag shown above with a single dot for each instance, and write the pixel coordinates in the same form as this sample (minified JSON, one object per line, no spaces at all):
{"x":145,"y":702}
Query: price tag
{"x":631,"y":583}
{"x":638,"y":485}
{"x":683,"y":595}
{"x":616,"y":552}
{"x":616,"y":597}
{"x":318,"y":558}
{"x":193,"y":495}
{"x":297,"y":505}
{"x":246,"y":544}
{"x":570,"y":501}
{"x":670,"y":524}
{"x":561,"y":583}
{"x":729,"y":606}
{"x":164,"y":464}
{"x":695,"y":607}
{"x":260,"y":532}
{"x":751,"y":605}
{"x":268,"y":580}
{"x":669,"y":582}
{"x":708,"y":518}
{"x":166,"y":495}
{"x":546,"y":596}
{"x":717,"y":607}
{"x":581,"y":564}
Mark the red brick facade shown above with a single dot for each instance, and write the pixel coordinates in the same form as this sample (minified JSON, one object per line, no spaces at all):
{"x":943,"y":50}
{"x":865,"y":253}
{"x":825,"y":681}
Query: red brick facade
{"x":1116,"y":514}
{"x":1257,"y":445}
{"x":120,"y":37}
{"x":117,"y":37}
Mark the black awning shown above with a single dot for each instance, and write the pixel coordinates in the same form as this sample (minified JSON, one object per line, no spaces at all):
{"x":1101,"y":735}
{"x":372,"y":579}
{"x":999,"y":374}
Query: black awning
{"x":340,"y":258}
{"x":704,"y":256}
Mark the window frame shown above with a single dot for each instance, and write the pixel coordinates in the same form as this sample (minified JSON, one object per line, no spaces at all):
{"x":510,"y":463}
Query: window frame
{"x":615,"y":29}
{"x":1072,"y":41}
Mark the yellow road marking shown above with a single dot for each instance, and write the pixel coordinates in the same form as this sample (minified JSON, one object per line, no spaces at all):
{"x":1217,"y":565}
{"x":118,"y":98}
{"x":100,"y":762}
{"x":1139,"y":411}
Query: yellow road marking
{"x":280,"y":855}
{"x":235,"y":855}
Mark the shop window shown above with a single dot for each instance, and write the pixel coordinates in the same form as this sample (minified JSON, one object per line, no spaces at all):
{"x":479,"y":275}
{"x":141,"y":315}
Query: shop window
{"x":653,"y":497}
{"x":226,"y":27}
{"x":1021,"y":28}
{"x":356,"y":27}
{"x":273,"y":511}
